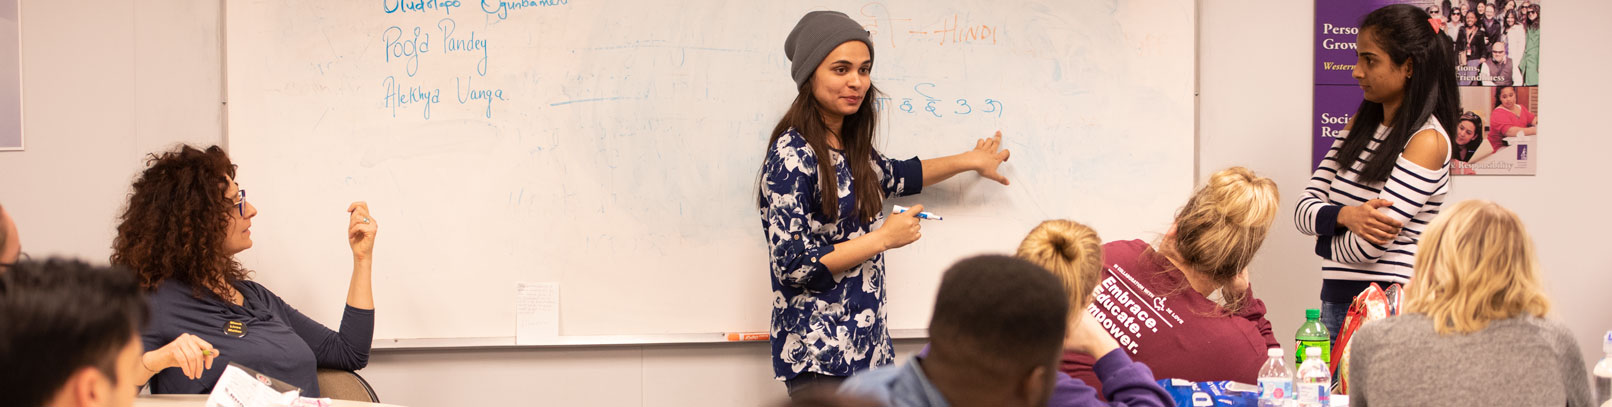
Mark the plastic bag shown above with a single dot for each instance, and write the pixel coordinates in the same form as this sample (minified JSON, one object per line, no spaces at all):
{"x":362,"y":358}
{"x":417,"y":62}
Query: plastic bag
{"x":1222,"y":393}
{"x":1371,"y":305}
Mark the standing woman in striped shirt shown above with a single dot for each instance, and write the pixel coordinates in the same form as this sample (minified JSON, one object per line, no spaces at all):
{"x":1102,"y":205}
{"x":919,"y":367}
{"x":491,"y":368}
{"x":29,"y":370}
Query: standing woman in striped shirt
{"x":1388,"y":173}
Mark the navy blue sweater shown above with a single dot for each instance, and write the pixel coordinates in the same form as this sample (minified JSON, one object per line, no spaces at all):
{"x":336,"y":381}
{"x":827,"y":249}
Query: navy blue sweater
{"x":278,"y":340}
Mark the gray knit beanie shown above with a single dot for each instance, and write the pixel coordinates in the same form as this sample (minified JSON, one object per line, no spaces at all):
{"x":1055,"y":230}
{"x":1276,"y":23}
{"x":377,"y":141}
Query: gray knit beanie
{"x":817,"y":34}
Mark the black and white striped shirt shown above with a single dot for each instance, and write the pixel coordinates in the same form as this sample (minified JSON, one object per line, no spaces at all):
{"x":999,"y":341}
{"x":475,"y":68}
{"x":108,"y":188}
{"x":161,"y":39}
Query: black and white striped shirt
{"x":1349,"y":261}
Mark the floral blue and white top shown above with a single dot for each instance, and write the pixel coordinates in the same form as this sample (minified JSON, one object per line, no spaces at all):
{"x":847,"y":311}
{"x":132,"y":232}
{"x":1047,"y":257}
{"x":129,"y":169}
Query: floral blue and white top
{"x":819,"y":324}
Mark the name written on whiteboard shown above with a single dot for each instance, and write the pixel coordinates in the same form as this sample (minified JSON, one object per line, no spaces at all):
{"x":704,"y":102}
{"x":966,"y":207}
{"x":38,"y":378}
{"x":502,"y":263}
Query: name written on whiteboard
{"x":398,"y":96}
{"x":929,"y":105}
{"x":947,"y":30}
{"x":453,"y":44}
{"x":501,"y":8}
{"x":424,"y":6}
{"x":407,"y":46}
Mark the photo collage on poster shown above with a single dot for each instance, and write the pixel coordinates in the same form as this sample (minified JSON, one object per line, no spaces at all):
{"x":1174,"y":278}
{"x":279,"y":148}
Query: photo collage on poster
{"x":1496,"y":46}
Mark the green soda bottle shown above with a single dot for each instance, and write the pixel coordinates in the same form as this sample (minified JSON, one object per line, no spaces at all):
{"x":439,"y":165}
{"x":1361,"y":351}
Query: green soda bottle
{"x":1312,"y":334}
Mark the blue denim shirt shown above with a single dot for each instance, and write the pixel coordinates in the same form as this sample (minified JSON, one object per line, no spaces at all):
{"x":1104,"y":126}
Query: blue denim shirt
{"x":821,"y":324}
{"x":896,"y":386}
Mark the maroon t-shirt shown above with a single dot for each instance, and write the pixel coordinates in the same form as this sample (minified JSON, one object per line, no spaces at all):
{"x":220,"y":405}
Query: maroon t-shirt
{"x":1147,"y":305}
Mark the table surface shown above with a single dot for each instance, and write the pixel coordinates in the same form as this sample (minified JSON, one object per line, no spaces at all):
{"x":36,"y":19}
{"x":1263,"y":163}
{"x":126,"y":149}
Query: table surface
{"x":200,"y":400}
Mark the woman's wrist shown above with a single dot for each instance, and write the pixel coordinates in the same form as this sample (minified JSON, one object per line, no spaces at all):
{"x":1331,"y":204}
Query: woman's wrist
{"x":880,"y":240}
{"x":151,"y":362}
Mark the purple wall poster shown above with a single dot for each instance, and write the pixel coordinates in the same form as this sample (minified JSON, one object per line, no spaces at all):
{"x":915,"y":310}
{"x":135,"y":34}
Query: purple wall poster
{"x":1496,"y":45}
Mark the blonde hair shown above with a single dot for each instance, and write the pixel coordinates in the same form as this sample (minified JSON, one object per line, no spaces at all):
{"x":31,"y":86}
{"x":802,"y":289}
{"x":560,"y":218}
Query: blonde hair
{"x":1222,"y":226}
{"x":1071,"y":251}
{"x":1475,"y":264}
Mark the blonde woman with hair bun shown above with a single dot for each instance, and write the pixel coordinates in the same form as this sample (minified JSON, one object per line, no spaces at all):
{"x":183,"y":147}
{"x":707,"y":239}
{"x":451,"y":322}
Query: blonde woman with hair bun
{"x":1183,"y":305}
{"x":1476,"y":302}
{"x":1071,"y":251}
{"x":1074,"y":253}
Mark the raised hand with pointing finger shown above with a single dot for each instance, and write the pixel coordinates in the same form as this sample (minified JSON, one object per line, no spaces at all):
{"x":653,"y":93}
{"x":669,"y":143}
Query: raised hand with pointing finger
{"x":987,"y":155}
{"x":986,"y":158}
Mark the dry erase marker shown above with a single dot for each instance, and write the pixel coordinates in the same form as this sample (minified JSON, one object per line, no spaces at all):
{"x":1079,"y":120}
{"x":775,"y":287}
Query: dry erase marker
{"x":748,"y":336}
{"x":921,"y":215}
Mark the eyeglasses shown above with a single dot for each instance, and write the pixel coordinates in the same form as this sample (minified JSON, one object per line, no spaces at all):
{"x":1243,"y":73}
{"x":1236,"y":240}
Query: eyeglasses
{"x":240,"y":202}
{"x":21,"y":257}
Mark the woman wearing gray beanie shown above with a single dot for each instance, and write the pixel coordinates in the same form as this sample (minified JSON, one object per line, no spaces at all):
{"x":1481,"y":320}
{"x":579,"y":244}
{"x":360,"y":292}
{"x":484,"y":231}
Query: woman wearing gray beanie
{"x":822,"y":190}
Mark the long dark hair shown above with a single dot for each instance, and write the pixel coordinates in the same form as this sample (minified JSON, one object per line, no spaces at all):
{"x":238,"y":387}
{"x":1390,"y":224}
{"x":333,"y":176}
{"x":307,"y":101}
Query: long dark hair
{"x":857,"y":132}
{"x":1403,"y":31}
{"x":1471,"y":147}
{"x":176,"y":221}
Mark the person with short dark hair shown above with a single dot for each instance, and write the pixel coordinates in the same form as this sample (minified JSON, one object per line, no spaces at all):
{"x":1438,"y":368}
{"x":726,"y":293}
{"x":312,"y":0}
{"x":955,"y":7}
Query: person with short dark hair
{"x":996,"y":334}
{"x":69,"y":335}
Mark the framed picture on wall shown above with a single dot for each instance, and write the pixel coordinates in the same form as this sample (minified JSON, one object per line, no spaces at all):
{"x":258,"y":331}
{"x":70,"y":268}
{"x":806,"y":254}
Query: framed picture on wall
{"x":1496,"y":50}
{"x":10,"y":76}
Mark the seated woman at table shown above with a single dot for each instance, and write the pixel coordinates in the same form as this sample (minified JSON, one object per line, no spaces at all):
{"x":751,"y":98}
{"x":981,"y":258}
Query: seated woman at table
{"x":186,"y":219}
{"x":1510,"y":119}
{"x":1183,"y":305}
{"x":1470,"y":146}
{"x":1477,"y":304}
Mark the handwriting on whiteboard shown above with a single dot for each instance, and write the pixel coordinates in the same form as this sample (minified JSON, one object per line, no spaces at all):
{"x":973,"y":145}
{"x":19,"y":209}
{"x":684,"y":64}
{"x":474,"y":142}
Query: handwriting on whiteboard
{"x":404,"y":47}
{"x":935,"y":103}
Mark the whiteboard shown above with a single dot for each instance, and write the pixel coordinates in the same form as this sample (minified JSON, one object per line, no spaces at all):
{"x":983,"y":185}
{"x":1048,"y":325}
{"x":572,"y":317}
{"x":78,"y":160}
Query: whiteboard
{"x":613,"y":146}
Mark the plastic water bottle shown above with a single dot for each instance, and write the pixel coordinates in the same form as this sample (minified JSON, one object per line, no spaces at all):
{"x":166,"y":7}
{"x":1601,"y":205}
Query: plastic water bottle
{"x":1275,"y":380}
{"x":1603,"y":374}
{"x":1314,"y":381}
{"x":1312,"y":334}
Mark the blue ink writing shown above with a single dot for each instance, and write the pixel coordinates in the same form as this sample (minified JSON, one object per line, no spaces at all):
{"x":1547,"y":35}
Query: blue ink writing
{"x":403,"y":6}
{"x":501,"y":8}
{"x":451,"y":44}
{"x":396,"y":96}
{"x":468,"y":93}
{"x":408,"y":50}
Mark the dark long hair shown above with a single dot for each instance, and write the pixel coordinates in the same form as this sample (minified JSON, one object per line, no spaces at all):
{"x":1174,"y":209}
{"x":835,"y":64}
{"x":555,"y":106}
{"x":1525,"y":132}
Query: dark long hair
{"x":1471,"y":147}
{"x":1403,"y":31}
{"x":176,"y":221}
{"x":857,"y":133}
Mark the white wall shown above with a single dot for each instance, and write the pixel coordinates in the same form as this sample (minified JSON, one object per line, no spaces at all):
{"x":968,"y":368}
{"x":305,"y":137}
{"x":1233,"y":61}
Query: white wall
{"x":106,"y":82}
{"x":1255,"y":81}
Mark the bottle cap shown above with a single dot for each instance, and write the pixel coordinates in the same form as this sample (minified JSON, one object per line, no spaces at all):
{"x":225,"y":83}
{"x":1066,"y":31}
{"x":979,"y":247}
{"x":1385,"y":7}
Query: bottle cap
{"x":1312,"y":351}
{"x":1312,"y":313}
{"x":1606,"y":343}
{"x":1274,"y":352}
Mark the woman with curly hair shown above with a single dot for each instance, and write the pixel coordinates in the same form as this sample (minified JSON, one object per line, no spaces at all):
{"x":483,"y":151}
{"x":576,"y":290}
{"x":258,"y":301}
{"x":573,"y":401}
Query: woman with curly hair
{"x":185,"y":221}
